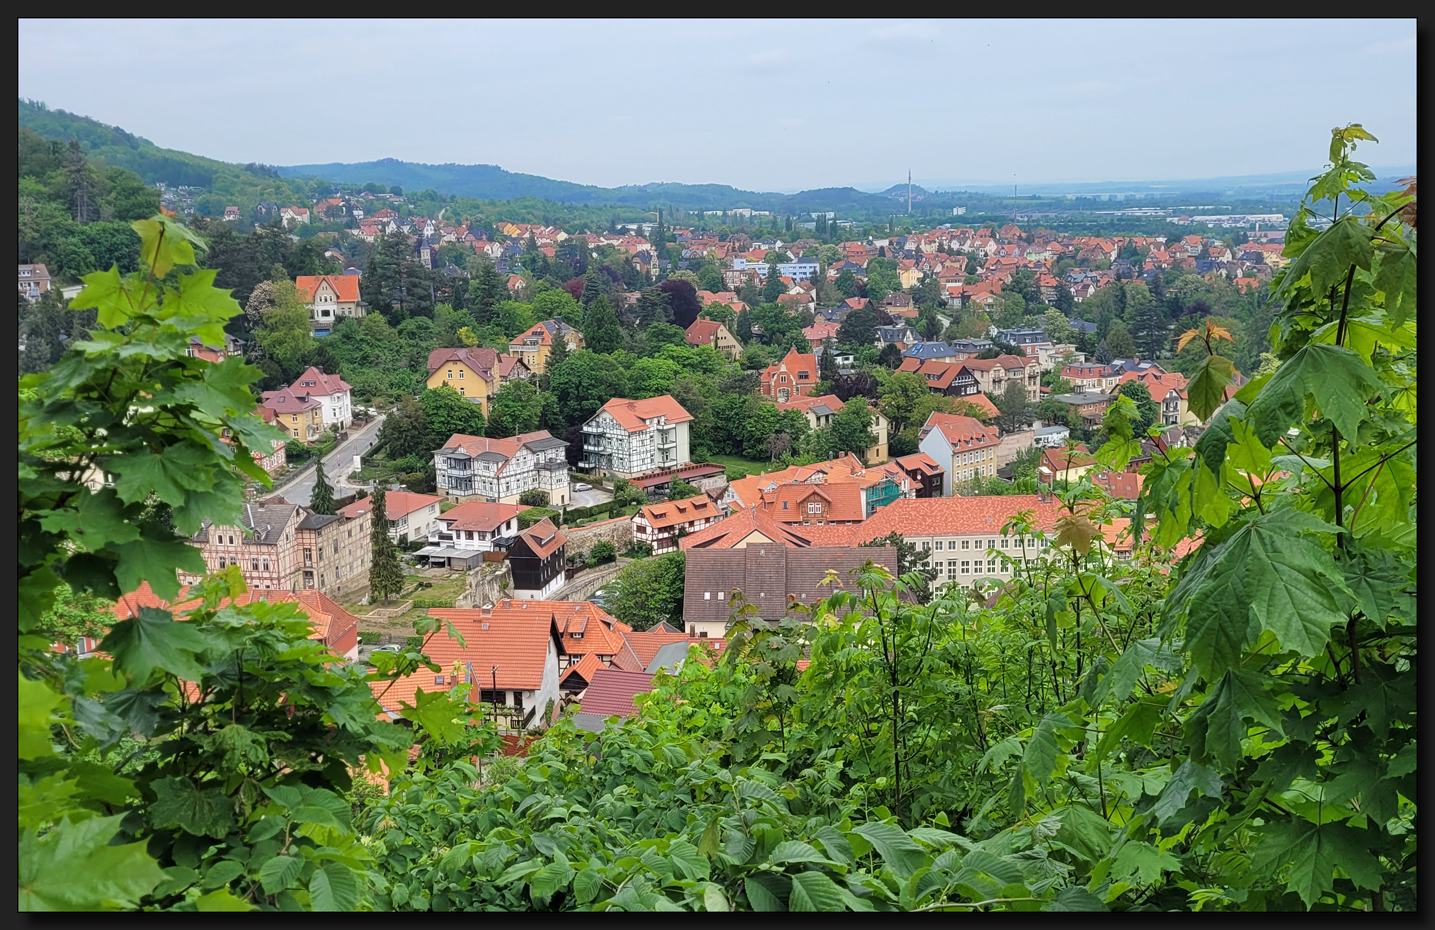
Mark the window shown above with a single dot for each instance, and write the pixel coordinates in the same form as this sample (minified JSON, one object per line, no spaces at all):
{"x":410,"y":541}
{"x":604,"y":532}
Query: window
{"x":720,"y":595}
{"x":308,"y":556}
{"x":991,"y":543}
{"x":707,"y":595}
{"x":265,"y":563}
{"x":1005,"y":542}
{"x":233,"y":561}
{"x":938,"y":545}
{"x":816,"y":507}
{"x":966,"y":544}
{"x":991,"y":565}
{"x":926,"y":546}
{"x":951,"y":569}
{"x":231,"y":540}
{"x":254,"y":565}
{"x":966,"y":567}
{"x":460,"y":374}
{"x":450,"y":374}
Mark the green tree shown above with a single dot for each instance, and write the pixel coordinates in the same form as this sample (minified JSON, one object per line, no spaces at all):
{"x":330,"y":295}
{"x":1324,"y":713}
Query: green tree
{"x":1119,"y":343}
{"x":910,"y":561}
{"x":852,"y":428}
{"x":585,"y":382}
{"x":321,"y":499}
{"x":1146,"y":322}
{"x":859,"y":328}
{"x":447,"y":412}
{"x":407,"y":432}
{"x":386,"y":576}
{"x":900,"y":399}
{"x":650,"y":591}
{"x":601,"y":332}
{"x":680,"y":490}
{"x":281,"y":328}
{"x":827,"y":362}
{"x":1149,"y":411}
{"x":516,"y":408}
{"x":846,"y":283}
{"x":1015,"y":411}
{"x":772,"y":286}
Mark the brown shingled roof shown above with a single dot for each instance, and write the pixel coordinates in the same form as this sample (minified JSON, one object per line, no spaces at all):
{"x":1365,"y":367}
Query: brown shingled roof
{"x":611,"y":692}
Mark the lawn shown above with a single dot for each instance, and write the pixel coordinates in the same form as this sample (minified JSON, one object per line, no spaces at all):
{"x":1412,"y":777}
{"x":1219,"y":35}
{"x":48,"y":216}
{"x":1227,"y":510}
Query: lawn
{"x":748,"y":466}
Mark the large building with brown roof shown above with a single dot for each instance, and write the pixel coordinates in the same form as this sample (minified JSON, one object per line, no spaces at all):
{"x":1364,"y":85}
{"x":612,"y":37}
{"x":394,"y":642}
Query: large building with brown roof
{"x":500,"y":470}
{"x":629,"y":438}
{"x":714,"y":334}
{"x":794,"y":376}
{"x":473,"y":372}
{"x":880,"y":484}
{"x":769,"y":577}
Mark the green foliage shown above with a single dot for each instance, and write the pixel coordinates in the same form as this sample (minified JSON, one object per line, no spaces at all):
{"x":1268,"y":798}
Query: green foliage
{"x":533,"y":515}
{"x":321,"y":500}
{"x":603,"y":551}
{"x":386,"y":576}
{"x":533,"y":498}
{"x":650,"y":591}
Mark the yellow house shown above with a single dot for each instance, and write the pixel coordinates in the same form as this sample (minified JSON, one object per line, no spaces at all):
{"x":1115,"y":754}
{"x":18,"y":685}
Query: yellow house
{"x":299,"y":415}
{"x":534,"y":346}
{"x":473,"y":372}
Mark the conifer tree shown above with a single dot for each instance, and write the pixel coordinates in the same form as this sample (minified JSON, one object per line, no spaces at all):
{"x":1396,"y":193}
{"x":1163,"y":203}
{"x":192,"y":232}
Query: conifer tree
{"x":386,"y":576}
{"x":322,"y":500}
{"x":827,"y":364}
{"x":601,"y":332}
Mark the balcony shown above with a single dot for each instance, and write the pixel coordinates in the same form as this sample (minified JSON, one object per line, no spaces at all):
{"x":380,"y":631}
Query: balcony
{"x":594,"y":447}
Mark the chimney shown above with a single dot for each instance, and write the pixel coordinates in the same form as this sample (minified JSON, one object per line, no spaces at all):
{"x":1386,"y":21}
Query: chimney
{"x":507,"y":605}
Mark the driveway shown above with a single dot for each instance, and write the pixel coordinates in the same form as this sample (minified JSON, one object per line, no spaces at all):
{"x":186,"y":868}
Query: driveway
{"x":337,"y":464}
{"x":590,"y":498}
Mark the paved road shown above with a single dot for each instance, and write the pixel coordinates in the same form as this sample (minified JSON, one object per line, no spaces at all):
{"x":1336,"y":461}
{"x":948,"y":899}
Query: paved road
{"x":590,"y":498}
{"x":337,"y":464}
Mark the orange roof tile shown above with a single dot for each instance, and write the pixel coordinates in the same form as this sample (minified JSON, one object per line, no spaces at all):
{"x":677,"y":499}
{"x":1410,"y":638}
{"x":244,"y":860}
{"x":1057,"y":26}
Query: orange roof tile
{"x":954,"y":516}
{"x":397,"y":504}
{"x":346,"y":286}
{"x":611,"y":692}
{"x":676,"y":513}
{"x":631,"y":414}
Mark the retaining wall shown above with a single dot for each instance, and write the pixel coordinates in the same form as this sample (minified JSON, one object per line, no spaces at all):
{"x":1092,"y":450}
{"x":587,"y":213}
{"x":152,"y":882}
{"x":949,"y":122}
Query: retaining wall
{"x":618,"y":531}
{"x":487,"y":584}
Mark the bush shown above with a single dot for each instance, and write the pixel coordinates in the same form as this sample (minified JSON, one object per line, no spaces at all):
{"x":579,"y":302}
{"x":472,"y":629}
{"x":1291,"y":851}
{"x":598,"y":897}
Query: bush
{"x":295,"y":451}
{"x":533,"y":498}
{"x":575,"y":514}
{"x":534,"y":515}
{"x":414,"y":642}
{"x":425,"y":603}
{"x":637,"y":549}
{"x":369,"y":637}
{"x":604,"y":552}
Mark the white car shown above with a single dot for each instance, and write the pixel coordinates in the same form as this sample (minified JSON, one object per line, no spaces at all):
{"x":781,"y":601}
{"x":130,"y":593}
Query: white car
{"x":582,"y":487}
{"x":392,"y":647}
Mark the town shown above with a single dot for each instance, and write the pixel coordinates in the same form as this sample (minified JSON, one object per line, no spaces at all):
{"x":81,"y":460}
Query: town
{"x":694,"y":515}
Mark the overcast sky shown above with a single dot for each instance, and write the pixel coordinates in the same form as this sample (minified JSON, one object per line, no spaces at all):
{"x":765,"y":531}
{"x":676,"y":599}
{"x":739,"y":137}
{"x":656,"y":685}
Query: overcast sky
{"x":759,"y":104}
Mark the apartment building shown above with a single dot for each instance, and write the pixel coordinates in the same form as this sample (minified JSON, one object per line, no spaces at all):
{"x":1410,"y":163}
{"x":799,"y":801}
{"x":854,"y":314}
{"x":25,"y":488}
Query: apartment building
{"x":964,"y":447}
{"x":629,"y":438}
{"x":663,"y":525}
{"x":500,"y":470}
{"x":411,"y":516}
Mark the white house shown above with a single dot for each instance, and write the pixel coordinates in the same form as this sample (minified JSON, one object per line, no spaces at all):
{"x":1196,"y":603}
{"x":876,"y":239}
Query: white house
{"x":500,"y":470}
{"x":461,"y":535}
{"x":964,"y":447}
{"x":629,"y":438}
{"x":411,"y":516}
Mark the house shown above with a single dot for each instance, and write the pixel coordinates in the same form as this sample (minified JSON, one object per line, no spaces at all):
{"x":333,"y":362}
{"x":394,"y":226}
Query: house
{"x":1120,"y":484}
{"x":662,"y":525}
{"x":1051,"y":437}
{"x":462,"y":534}
{"x":412,"y":517}
{"x":932,"y":351}
{"x":533,"y":346}
{"x":281,"y":546}
{"x":1169,"y":391}
{"x":1090,"y":376}
{"x":768,"y":575}
{"x":994,"y":374}
{"x":815,"y":504}
{"x":818,"y":333}
{"x":332,"y":393}
{"x":820,"y":411}
{"x":293,"y":216}
{"x":34,"y":281}
{"x":964,"y":447}
{"x":231,"y":214}
{"x":967,"y":536}
{"x":610,"y":693}
{"x":473,"y":372}
{"x":297,"y":413}
{"x":879,"y":484}
{"x":1091,"y":405}
{"x":925,"y":474}
{"x":329,"y":298}
{"x":950,"y":379}
{"x":509,"y":655}
{"x":277,"y":458}
{"x":629,"y":438}
{"x":1068,"y":463}
{"x":213,"y":354}
{"x":500,"y":470}
{"x":794,"y":376}
{"x":712,"y":333}
{"x":332,"y":625}
{"x":537,"y":558}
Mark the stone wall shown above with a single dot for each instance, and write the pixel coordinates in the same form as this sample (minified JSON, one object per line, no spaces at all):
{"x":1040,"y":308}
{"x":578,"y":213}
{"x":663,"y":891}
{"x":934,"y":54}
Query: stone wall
{"x":487,"y":584}
{"x":618,"y":531}
{"x":590,"y":581}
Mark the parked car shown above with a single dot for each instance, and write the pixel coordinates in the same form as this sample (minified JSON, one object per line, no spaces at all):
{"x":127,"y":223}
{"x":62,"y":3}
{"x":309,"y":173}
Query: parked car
{"x":391,"y":647}
{"x":582,"y":487}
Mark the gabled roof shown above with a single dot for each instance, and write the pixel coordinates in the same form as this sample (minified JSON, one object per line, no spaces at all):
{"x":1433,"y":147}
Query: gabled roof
{"x":580,"y":673}
{"x":322,"y":383}
{"x":787,"y":503}
{"x":543,"y":538}
{"x":330,"y":620}
{"x":954,"y":516}
{"x":1124,"y":484}
{"x":770,"y":577}
{"x":748,"y":524}
{"x":611,"y":692}
{"x":703,"y":332}
{"x":630,"y":414}
{"x":397,"y":504}
{"x":919,"y":462}
{"x":960,"y":432}
{"x":480,"y":515}
{"x":346,"y":287}
{"x":507,"y":643}
{"x":795,"y":362}
{"x":677,"y":513}
{"x":478,"y":360}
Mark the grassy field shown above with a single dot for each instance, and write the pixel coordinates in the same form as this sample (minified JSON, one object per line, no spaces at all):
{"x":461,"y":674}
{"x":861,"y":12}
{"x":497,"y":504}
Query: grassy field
{"x":748,"y":466}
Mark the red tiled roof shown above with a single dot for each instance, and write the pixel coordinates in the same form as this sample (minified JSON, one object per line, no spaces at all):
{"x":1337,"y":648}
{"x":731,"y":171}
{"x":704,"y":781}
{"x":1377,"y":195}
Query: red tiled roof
{"x":330,"y":620}
{"x":583,"y":669}
{"x":954,"y":516}
{"x":703,"y":332}
{"x":480,"y":361}
{"x":1125,"y":484}
{"x":346,"y":286}
{"x":543,"y":538}
{"x":645,"y":644}
{"x":788,"y":502}
{"x":611,"y":692}
{"x":726,"y":534}
{"x":961,"y":432}
{"x":480,"y":515}
{"x":630,"y":414}
{"x":919,"y":461}
{"x":397,"y":504}
{"x":676,"y":513}
{"x":513,"y":639}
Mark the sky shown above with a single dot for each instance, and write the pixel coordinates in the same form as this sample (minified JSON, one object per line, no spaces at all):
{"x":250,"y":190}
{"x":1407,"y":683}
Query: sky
{"x":758,"y":104}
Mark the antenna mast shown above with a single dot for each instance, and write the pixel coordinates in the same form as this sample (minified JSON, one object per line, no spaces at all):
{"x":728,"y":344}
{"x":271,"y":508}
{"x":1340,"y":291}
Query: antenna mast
{"x":909,"y":191}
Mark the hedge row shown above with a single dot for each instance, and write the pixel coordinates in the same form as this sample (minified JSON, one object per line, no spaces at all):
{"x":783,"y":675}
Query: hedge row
{"x":532,"y":515}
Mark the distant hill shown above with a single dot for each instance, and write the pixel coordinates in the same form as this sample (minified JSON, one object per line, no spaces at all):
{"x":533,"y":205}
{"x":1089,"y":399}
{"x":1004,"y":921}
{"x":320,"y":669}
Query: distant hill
{"x":241,"y":185}
{"x":490,"y":182}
